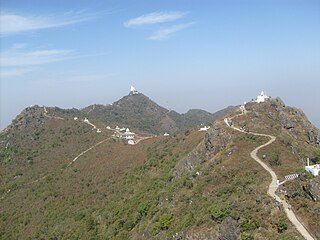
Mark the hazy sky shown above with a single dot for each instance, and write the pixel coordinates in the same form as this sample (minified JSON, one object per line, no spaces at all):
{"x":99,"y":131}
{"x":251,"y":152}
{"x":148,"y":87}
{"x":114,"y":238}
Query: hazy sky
{"x":182,"y":54}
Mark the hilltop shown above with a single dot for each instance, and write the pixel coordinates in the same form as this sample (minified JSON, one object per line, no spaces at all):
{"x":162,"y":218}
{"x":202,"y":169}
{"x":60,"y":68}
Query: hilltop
{"x":189,"y":185}
{"x":139,"y":112}
{"x":135,"y":111}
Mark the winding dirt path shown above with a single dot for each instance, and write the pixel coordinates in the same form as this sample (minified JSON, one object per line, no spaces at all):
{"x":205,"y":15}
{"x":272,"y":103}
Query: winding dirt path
{"x":47,"y":175}
{"x":87,"y":150}
{"x":273,"y":185}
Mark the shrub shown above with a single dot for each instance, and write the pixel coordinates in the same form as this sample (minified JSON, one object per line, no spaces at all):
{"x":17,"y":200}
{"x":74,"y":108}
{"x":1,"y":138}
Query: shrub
{"x":144,"y":208}
{"x":317,"y":155}
{"x":91,"y":224}
{"x":165,"y":221}
{"x":249,"y":224}
{"x":219,"y":213}
{"x":282,"y":225}
{"x":274,"y":159}
{"x":246,"y":236}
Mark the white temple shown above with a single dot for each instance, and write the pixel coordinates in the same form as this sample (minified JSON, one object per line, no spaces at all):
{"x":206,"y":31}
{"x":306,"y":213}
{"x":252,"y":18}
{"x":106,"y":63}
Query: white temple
{"x":262,"y":97}
{"x":128,"y":135}
{"x":133,"y":91}
{"x":314,"y":169}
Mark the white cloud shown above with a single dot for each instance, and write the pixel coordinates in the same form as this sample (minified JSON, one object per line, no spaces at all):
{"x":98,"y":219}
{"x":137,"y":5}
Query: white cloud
{"x":19,"y":45}
{"x":12,"y":23}
{"x":166,"y":32}
{"x":18,"y":60}
{"x":153,"y":18}
{"x":15,"y":72}
{"x":13,"y":58}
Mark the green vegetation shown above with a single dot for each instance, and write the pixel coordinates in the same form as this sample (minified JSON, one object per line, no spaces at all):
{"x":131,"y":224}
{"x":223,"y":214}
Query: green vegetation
{"x":282,"y":225}
{"x":274,"y":158}
{"x":127,"y":192}
{"x":317,"y":155}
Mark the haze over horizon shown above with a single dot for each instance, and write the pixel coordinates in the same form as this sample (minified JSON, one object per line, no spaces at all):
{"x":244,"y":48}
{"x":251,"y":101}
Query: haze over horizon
{"x":182,"y":55}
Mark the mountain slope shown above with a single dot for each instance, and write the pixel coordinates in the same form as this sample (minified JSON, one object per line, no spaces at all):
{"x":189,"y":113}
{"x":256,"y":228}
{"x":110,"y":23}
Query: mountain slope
{"x":191,"y":185}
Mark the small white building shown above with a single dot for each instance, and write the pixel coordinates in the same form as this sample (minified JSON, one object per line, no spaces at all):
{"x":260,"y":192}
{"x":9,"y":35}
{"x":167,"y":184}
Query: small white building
{"x":128,"y":135}
{"x":262,"y":97}
{"x":98,"y":130}
{"x":86,"y":120}
{"x":203,"y":129}
{"x":166,"y":134}
{"x":117,"y":128}
{"x":133,"y":91}
{"x":75,"y":118}
{"x":314,"y":169}
{"x":108,"y":127}
{"x":130,"y":142}
{"x":243,"y":107}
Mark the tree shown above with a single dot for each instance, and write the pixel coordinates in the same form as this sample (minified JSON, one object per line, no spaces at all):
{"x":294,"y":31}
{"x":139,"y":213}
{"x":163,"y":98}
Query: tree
{"x":317,"y":155}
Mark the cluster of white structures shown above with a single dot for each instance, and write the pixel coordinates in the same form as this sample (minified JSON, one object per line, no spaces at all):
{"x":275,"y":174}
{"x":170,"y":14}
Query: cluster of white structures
{"x":314,"y":169}
{"x":123,"y":133}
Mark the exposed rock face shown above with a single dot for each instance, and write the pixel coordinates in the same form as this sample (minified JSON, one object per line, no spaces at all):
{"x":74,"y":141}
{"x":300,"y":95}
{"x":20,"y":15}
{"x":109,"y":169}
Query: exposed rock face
{"x":215,"y":140}
{"x":193,"y":159}
{"x":292,"y":118}
{"x":285,"y":121}
{"x":228,"y":229}
{"x":313,"y":188}
{"x":314,"y":136}
{"x":279,"y":102}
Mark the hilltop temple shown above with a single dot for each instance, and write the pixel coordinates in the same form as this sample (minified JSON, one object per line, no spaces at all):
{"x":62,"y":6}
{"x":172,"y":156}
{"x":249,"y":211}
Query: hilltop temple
{"x":133,"y":91}
{"x":262,"y":97}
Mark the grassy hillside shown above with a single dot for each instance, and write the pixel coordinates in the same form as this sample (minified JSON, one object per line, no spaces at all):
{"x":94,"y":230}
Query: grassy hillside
{"x":191,"y":185}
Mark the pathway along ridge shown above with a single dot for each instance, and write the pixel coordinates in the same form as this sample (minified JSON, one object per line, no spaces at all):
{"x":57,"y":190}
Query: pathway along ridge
{"x":273,"y":185}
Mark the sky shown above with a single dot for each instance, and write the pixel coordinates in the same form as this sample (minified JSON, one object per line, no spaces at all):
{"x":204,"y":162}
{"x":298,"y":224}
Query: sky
{"x":182,"y":54}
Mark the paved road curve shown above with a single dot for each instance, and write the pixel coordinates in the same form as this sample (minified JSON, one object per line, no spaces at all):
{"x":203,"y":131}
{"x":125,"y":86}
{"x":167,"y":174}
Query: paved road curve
{"x":273,"y":185}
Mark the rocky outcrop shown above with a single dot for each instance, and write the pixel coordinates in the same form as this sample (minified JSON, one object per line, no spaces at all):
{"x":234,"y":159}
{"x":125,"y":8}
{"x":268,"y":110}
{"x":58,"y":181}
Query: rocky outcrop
{"x":215,"y":140}
{"x":285,"y":121}
{"x":228,"y":229}
{"x":314,"y":136}
{"x":313,"y":189}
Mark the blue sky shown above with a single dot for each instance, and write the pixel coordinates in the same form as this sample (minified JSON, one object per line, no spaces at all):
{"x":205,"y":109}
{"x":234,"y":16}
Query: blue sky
{"x":182,"y":54}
